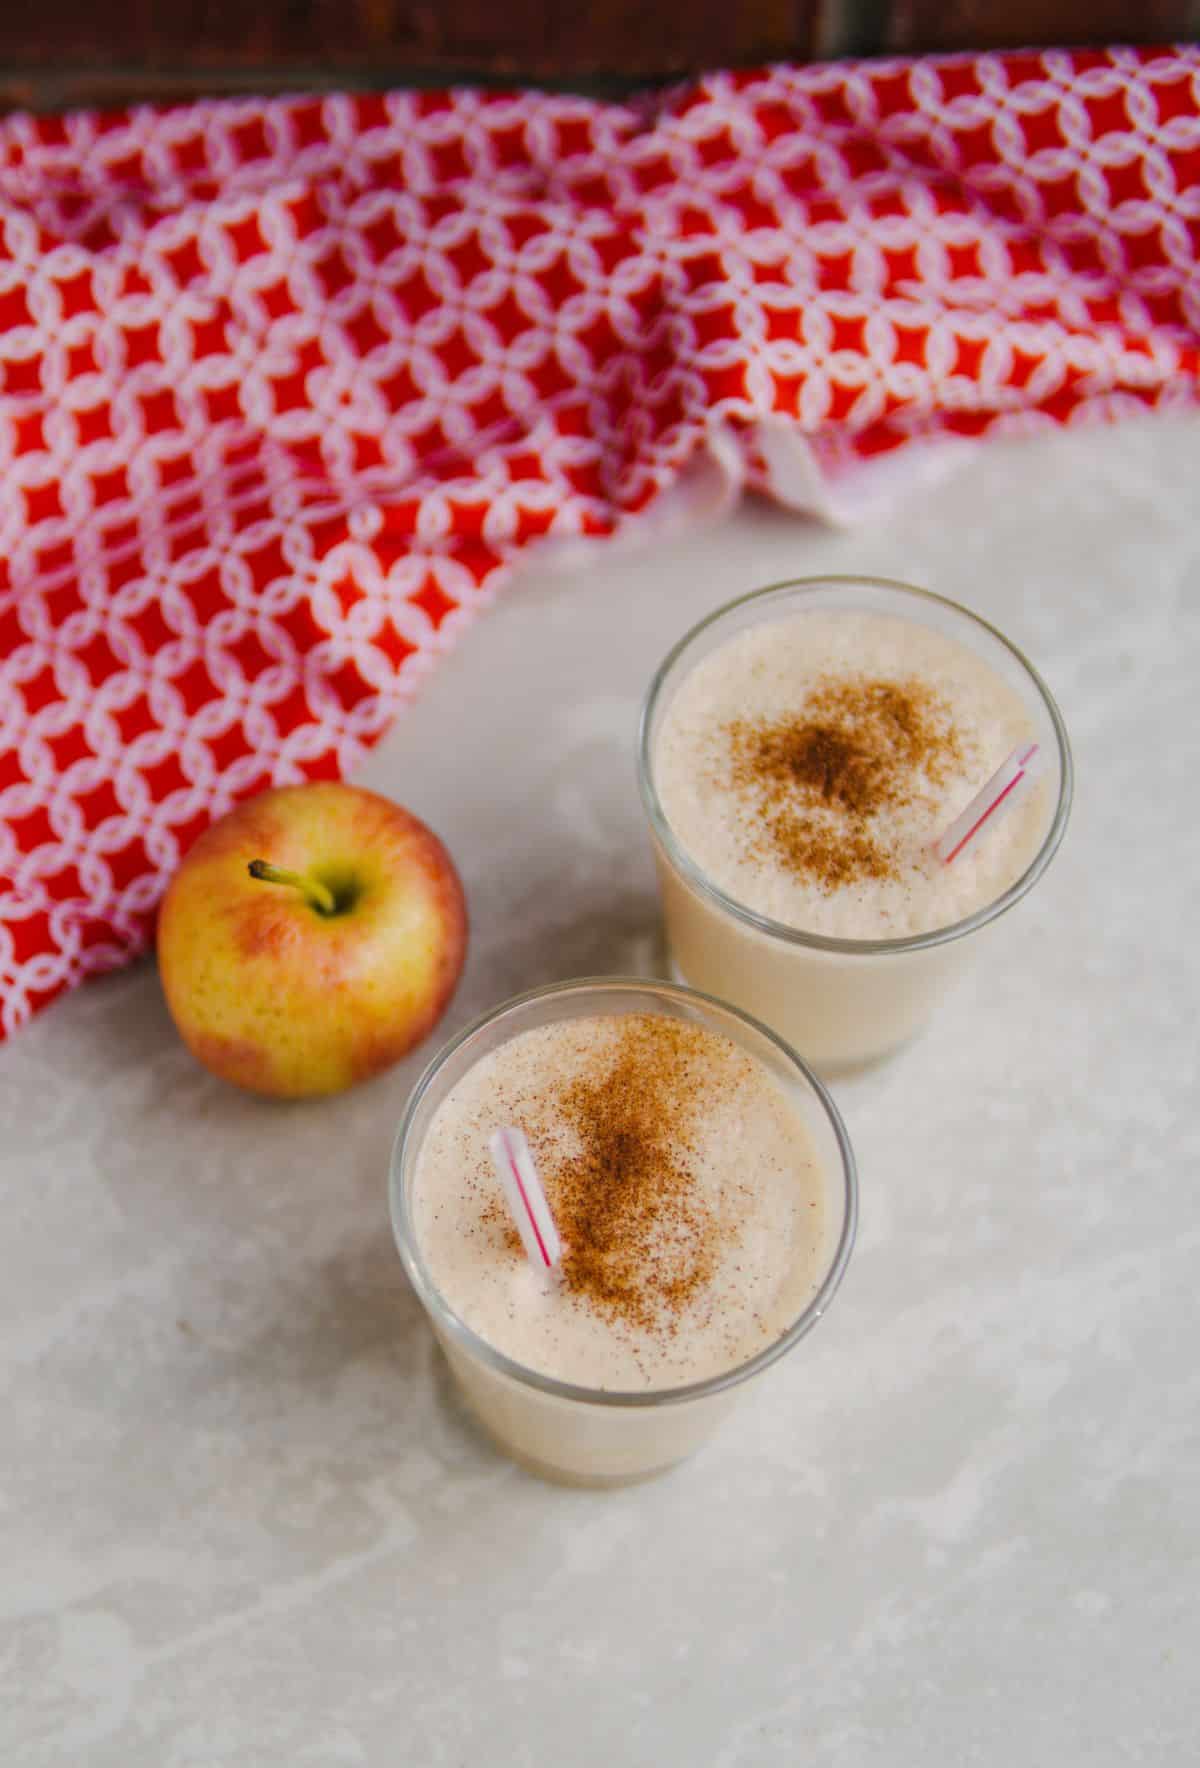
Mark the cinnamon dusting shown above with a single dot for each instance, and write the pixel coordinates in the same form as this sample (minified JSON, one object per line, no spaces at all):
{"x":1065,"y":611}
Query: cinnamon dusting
{"x":816,"y":780}
{"x":639,"y":1237}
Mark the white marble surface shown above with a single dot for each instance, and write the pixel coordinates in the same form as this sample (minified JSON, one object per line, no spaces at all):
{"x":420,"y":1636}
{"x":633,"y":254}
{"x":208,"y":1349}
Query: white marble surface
{"x":241,"y":1519}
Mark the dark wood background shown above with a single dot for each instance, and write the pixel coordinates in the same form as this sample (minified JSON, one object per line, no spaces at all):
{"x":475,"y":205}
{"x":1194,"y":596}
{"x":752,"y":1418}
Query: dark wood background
{"x":56,"y":53}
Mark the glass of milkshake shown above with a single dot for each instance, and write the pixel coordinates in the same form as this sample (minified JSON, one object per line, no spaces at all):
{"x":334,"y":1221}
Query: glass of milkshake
{"x":704,"y":1189}
{"x":801,"y":751}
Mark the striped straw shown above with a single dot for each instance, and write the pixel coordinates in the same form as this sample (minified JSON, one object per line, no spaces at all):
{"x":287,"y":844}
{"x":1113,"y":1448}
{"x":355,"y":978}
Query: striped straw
{"x":526,"y":1199}
{"x":985,"y":807}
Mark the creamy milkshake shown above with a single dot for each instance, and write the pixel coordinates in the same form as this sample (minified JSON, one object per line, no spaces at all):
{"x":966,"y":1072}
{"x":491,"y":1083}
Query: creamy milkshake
{"x":802,"y":752}
{"x":703,"y":1189}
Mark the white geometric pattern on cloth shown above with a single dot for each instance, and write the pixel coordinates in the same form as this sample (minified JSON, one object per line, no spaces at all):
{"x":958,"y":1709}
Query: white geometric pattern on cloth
{"x":286,"y":385}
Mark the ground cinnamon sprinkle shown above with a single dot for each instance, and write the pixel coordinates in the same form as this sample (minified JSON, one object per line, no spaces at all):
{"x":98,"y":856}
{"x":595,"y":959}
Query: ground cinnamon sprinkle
{"x":639,"y":1238}
{"x":814,"y":782}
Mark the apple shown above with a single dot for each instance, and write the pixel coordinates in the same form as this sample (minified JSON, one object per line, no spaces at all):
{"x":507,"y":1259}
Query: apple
{"x":311,"y":938}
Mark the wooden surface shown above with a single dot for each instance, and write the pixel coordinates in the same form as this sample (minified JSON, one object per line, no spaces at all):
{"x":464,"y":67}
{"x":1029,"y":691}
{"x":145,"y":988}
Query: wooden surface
{"x":70,"y":52}
{"x":58,"y":53}
{"x":914,"y":26}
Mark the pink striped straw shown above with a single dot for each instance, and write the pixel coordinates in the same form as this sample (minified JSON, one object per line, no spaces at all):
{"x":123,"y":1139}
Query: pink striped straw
{"x":986,"y":804}
{"x":526,"y":1199}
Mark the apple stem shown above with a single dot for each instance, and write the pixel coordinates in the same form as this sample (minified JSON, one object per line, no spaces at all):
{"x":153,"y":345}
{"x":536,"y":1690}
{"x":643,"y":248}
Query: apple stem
{"x":318,"y":895}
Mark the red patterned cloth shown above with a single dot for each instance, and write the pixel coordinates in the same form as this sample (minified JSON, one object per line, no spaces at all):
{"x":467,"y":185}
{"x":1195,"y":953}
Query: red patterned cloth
{"x":285,"y":387}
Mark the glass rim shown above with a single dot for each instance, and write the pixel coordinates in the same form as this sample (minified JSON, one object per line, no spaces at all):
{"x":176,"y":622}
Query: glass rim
{"x":683,"y":862}
{"x":470,"y":1341}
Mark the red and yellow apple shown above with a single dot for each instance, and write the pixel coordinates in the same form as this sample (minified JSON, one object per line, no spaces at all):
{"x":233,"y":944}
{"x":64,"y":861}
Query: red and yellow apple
{"x":310,"y":939}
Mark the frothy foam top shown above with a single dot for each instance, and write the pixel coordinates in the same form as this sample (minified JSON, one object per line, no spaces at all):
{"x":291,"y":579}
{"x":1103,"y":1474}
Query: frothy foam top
{"x":808,"y":766}
{"x":685,"y":1185}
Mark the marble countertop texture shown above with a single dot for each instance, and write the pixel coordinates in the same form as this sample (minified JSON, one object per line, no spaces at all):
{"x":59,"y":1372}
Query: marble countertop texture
{"x":242,"y":1518}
